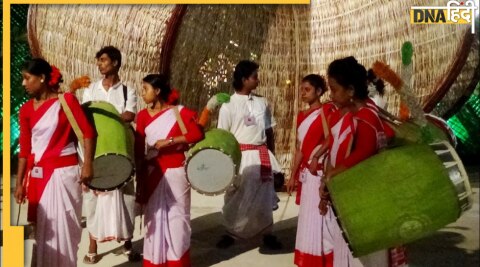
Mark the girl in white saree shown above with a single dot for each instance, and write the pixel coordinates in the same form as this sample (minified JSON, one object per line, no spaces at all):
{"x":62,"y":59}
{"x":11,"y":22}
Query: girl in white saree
{"x":162,"y":183}
{"x":48,"y":172}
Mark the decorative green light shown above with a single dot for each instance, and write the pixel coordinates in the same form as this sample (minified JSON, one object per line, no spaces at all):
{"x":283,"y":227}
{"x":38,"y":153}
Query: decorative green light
{"x":466,"y":125}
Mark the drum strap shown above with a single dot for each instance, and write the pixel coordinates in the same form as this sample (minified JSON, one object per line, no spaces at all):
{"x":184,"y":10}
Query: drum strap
{"x":179,"y":120}
{"x":71,"y":119}
{"x":324,"y":123}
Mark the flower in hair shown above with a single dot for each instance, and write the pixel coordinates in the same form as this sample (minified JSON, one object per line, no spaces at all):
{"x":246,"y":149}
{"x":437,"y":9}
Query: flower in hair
{"x":173,"y":97}
{"x":55,"y":77}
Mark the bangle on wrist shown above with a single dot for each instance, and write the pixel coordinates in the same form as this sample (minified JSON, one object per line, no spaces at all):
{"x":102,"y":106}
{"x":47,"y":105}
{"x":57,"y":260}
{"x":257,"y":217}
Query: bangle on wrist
{"x":171,"y":141}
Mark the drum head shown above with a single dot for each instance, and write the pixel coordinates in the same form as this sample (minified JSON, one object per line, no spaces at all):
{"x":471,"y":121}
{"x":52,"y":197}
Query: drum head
{"x":110,"y":172}
{"x":210,"y":171}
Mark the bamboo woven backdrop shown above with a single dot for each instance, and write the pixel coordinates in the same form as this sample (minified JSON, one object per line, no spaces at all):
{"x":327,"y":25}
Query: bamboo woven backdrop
{"x":375,"y":30}
{"x":71,"y":41}
{"x":283,"y":62}
{"x":464,"y":84}
{"x":305,"y":39}
{"x":210,"y":41}
{"x":289,"y":42}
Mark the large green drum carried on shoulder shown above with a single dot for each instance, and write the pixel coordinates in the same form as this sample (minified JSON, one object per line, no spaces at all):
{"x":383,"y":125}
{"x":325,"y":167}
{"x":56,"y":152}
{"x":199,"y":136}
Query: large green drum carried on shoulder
{"x":399,"y":195}
{"x":435,"y":130}
{"x":213,"y":163}
{"x":113,"y":164}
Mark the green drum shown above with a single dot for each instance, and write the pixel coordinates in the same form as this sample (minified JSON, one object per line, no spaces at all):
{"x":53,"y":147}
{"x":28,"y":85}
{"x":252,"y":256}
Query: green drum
{"x":113,"y":165}
{"x":411,"y":133}
{"x":213,"y":163}
{"x":399,"y":195}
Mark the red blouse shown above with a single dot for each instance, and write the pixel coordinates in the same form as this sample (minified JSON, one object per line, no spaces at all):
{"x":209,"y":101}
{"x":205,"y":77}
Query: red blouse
{"x":174,"y":156}
{"x":63,"y":134}
{"x":365,"y":136}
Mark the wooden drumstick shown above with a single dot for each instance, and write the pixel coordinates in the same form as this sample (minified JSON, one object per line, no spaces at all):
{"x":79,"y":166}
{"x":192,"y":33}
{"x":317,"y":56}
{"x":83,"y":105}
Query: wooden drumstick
{"x":284,"y":209}
{"x":18,"y":216}
{"x":24,"y":185}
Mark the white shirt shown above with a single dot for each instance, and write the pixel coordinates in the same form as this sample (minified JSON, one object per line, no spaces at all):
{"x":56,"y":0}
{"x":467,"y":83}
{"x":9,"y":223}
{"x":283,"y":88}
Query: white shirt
{"x":114,"y":96}
{"x":232,"y":118}
{"x":379,"y":101}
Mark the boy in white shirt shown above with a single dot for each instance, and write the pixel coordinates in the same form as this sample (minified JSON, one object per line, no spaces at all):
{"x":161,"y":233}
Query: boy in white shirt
{"x":118,"y":204}
{"x":248,"y":204}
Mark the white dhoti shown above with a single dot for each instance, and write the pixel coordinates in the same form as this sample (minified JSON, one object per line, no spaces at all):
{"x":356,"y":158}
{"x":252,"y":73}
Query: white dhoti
{"x":248,"y":203}
{"x":110,"y":215}
{"x":58,"y":229}
{"x":167,"y":222}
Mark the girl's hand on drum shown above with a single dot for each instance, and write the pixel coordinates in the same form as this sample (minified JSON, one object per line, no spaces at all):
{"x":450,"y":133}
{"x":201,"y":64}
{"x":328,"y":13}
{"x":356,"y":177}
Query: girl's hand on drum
{"x":85,"y":188}
{"x":87,"y":173}
{"x":290,"y":186}
{"x":313,"y":167}
{"x":20,"y":194}
{"x":323,"y":207}
{"x":324,"y":198}
{"x":162,"y":143}
{"x":327,"y":177}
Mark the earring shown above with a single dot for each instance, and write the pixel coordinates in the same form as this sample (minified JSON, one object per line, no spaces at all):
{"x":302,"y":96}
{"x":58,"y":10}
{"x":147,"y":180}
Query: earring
{"x":41,"y":80}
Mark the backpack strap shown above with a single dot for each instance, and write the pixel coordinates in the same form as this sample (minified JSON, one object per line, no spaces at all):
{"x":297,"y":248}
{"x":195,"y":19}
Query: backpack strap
{"x":124,"y":96}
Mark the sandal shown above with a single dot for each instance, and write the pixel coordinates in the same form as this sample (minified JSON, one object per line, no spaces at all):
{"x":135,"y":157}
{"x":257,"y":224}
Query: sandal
{"x":91,"y":258}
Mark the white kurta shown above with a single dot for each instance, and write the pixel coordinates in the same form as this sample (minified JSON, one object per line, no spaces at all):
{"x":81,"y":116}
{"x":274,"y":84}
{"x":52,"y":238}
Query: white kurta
{"x":110,"y":215}
{"x":248,"y":204}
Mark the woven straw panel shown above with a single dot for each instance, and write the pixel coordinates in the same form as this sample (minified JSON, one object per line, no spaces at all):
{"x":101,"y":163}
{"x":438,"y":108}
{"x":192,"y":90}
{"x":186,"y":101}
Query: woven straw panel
{"x":288,"y":41}
{"x":375,"y":30}
{"x":464,"y":83}
{"x":211,"y":40}
{"x":283,"y":63}
{"x":205,"y":55}
{"x":305,"y":39}
{"x":69,"y":36}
